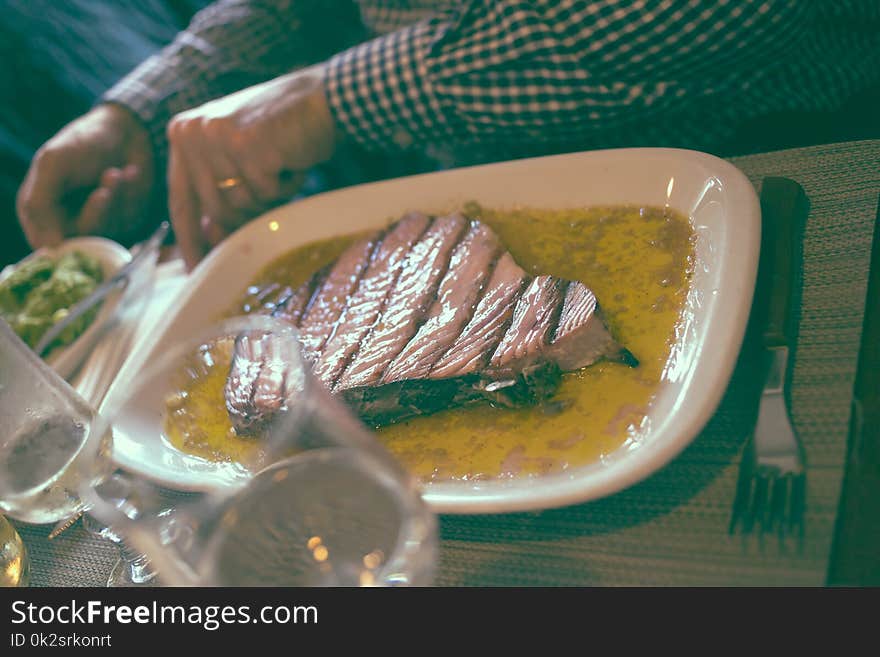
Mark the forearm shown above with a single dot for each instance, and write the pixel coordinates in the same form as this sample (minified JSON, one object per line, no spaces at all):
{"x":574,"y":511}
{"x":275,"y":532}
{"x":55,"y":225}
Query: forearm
{"x":549,"y":72}
{"x":230,"y":45}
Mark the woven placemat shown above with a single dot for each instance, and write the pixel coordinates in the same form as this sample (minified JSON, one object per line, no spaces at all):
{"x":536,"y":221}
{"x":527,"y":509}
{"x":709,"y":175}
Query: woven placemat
{"x":671,"y":529}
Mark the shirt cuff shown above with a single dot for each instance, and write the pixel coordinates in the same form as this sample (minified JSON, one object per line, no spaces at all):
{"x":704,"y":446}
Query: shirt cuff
{"x":381,"y":95}
{"x":145,"y":92}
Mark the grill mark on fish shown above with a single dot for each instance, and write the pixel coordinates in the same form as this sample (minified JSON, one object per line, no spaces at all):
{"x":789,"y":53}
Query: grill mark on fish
{"x":299,"y":301}
{"x":579,"y":304}
{"x":492,"y":316}
{"x":414,"y":291}
{"x":471,"y":265}
{"x":534,"y":319}
{"x":320,"y":277}
{"x":368,"y":302}
{"x":332,"y":296}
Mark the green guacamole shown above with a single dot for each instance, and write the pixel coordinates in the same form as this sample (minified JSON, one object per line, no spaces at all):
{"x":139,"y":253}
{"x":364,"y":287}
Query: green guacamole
{"x":40,"y":291}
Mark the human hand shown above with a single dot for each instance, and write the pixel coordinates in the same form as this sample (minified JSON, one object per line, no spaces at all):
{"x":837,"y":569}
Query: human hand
{"x":234,"y":157}
{"x":94,"y":176}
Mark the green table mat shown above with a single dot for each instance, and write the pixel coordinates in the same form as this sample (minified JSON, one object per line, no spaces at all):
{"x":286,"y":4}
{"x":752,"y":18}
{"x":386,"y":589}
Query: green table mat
{"x":671,"y":529}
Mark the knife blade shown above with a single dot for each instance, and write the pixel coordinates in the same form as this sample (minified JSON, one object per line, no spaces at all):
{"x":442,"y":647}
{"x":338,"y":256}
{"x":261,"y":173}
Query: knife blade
{"x":150,"y":247}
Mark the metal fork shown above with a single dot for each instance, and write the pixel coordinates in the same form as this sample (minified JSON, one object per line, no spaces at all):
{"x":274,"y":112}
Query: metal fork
{"x":772,"y":485}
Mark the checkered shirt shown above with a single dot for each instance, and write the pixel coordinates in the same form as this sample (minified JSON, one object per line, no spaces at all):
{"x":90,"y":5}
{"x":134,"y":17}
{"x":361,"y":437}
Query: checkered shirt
{"x":489,"y":79}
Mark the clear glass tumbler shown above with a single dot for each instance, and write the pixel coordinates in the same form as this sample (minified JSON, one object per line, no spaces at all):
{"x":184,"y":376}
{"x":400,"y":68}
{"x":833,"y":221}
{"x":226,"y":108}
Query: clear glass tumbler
{"x":324,"y":504}
{"x":49,"y":447}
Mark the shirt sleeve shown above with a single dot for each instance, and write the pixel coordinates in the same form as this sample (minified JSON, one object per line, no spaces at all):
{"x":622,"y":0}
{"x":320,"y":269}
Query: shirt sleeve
{"x":550,"y":71}
{"x":229,"y":45}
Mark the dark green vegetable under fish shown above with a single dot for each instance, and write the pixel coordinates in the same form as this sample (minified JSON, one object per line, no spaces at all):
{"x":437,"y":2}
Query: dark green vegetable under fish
{"x":40,"y":291}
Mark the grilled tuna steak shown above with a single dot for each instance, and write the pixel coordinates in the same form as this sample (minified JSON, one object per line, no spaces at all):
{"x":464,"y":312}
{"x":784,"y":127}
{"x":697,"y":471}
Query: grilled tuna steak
{"x":429,"y":314}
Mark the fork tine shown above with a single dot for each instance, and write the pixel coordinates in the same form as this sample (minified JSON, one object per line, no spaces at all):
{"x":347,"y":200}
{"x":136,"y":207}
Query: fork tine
{"x":758,"y":503}
{"x":778,"y":499}
{"x":797,"y":504}
{"x":765,"y":512}
{"x":743,"y":491}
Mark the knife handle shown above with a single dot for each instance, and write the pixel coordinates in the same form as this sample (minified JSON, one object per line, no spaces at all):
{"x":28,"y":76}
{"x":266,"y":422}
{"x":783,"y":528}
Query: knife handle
{"x":784,"y":209}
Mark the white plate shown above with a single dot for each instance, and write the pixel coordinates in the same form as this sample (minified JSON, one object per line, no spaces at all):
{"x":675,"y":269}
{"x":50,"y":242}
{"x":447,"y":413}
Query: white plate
{"x":112,"y":256}
{"x":725,"y":213}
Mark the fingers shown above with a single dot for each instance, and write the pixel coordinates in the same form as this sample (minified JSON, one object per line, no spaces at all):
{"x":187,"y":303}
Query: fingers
{"x":94,"y":210}
{"x":110,"y":202}
{"x":207,"y":153}
{"x":183,"y":205}
{"x":213,"y":231}
{"x":126,"y":176}
{"x":225,"y":206}
{"x":236,"y":199}
{"x":199,"y":149}
{"x":232,"y":142}
{"x":262,"y":171}
{"x":39,"y":201}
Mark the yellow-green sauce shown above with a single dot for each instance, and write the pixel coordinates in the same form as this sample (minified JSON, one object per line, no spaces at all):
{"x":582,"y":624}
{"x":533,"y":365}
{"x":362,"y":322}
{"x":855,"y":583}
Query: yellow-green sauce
{"x":196,"y":421}
{"x":638,"y":261}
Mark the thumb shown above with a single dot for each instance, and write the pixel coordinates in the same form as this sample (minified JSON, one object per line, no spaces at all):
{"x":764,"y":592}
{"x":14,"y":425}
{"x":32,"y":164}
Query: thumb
{"x":39,"y":203}
{"x":93,"y":213}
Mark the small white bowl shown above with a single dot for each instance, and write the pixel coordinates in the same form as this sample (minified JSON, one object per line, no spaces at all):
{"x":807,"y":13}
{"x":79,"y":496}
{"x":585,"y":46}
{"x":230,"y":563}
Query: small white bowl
{"x":112,"y":256}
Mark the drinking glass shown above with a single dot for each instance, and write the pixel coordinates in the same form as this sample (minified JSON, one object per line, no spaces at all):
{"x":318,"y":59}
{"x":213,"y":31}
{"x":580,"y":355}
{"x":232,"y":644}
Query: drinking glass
{"x":50,"y":447}
{"x":320,"y":502}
